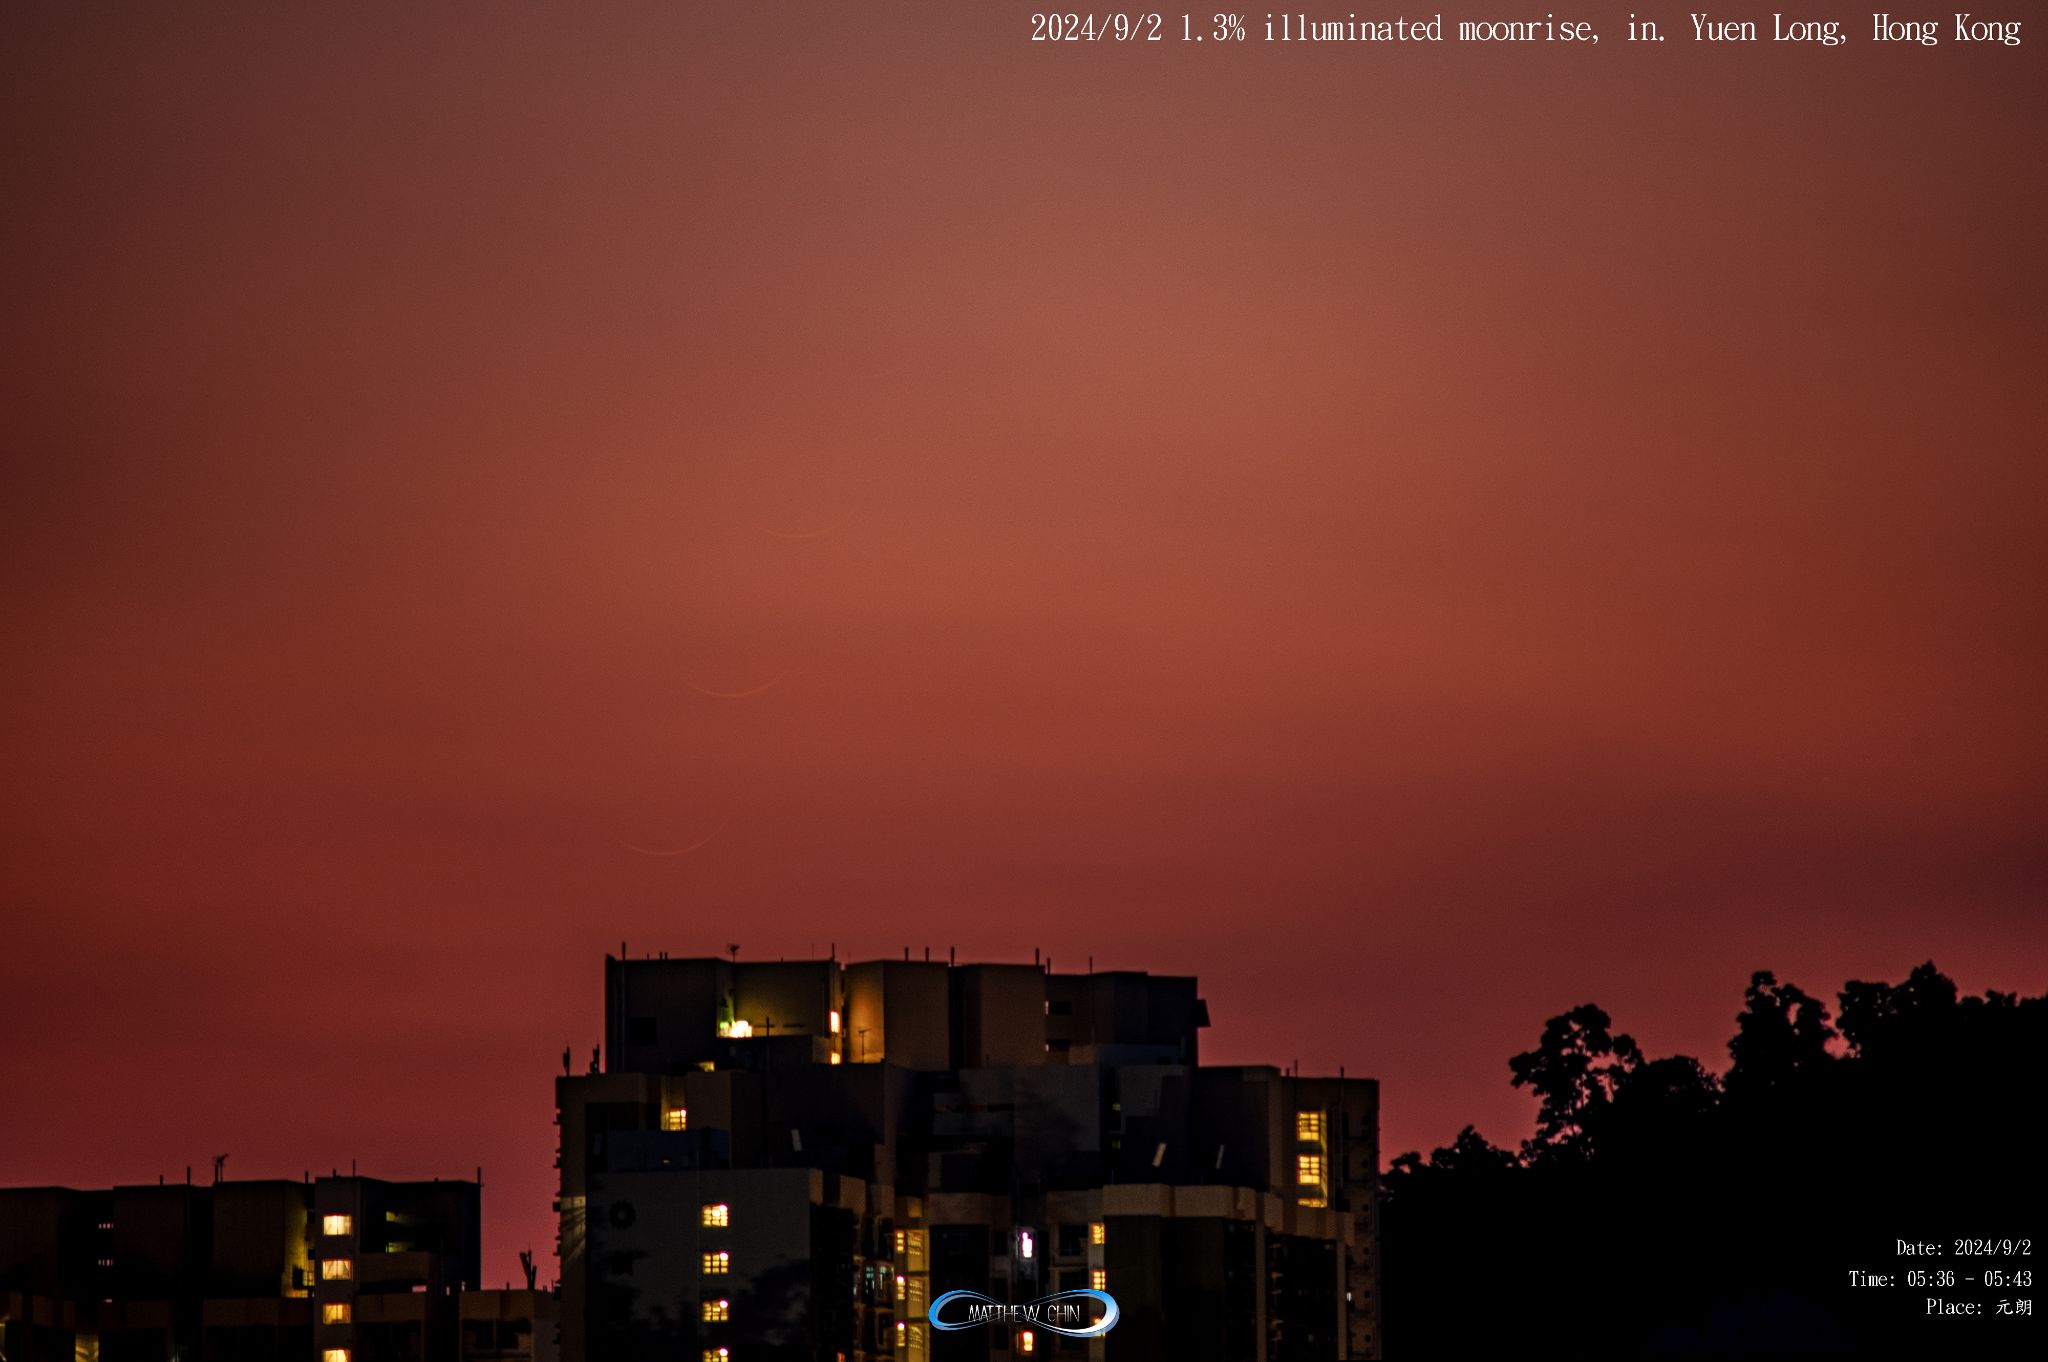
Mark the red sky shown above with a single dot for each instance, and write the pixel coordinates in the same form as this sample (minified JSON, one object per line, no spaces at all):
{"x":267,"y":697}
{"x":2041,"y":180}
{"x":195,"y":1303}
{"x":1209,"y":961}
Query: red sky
{"x":1419,"y":538}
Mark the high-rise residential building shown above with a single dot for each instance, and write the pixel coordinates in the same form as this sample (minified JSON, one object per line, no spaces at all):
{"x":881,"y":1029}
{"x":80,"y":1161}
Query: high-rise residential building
{"x":332,"y":1269}
{"x":793,"y":1160}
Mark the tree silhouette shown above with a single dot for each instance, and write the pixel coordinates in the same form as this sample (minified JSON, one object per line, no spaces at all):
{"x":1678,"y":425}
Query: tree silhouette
{"x":1574,"y":1071}
{"x":1781,"y":1035}
{"x":1660,"y":1210}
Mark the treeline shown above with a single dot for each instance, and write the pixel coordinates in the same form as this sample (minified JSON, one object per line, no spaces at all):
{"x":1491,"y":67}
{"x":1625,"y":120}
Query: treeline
{"x":1662,"y":1210}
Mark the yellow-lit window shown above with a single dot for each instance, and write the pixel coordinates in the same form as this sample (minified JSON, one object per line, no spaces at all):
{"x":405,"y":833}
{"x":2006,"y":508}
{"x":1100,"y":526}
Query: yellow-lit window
{"x":916,"y":1351}
{"x":717,"y":1215}
{"x":1098,"y":1233}
{"x":334,"y":1355}
{"x":913,"y":1304}
{"x":837,"y":1058}
{"x":337,"y":1269}
{"x":1308,"y":1126}
{"x":717,"y":1312}
{"x":835,"y":1021}
{"x":676,"y":1118}
{"x":902,"y":1333}
{"x":1316,"y":1201}
{"x":337,"y":1224}
{"x":336,"y":1312}
{"x":717,"y":1264}
{"x":1310,"y":1167}
{"x":1098,"y":1278}
{"x":717,"y":1354}
{"x":1027,"y":1342}
{"x":910,"y":1249}
{"x":902,"y":1288}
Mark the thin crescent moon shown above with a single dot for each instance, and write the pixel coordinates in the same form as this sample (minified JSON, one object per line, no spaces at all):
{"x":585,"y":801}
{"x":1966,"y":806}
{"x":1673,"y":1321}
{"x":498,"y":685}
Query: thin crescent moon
{"x":699,"y":845}
{"x":770,"y":684}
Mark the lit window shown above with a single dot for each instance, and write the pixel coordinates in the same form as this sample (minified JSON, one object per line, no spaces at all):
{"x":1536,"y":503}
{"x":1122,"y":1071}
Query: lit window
{"x":1026,"y":1245}
{"x":675,"y":1118}
{"x":1316,"y":1201}
{"x":717,"y":1312}
{"x":1027,"y":1342}
{"x":337,"y":1269}
{"x":910,"y":1249}
{"x":717,"y":1354}
{"x":717,"y":1264}
{"x":336,"y":1312}
{"x":1098,"y":1233}
{"x":717,"y":1215}
{"x":736,"y":1030}
{"x":835,"y":1021}
{"x":837,"y":1058}
{"x":1310,"y":1167}
{"x":337,"y":1224}
{"x":334,"y":1355}
{"x":902,"y":1288}
{"x":1308,"y":1126}
{"x":1098,"y":1278}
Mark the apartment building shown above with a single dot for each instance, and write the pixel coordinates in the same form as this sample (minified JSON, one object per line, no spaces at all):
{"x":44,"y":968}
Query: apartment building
{"x":793,"y":1160}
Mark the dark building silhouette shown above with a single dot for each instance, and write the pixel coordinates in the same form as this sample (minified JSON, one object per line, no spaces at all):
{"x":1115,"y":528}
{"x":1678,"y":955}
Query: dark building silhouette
{"x":792,"y":1160}
{"x":333,"y":1269}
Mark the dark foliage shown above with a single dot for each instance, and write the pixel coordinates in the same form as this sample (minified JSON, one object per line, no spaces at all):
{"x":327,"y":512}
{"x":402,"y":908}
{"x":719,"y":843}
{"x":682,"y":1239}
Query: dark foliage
{"x":1659,"y":1211}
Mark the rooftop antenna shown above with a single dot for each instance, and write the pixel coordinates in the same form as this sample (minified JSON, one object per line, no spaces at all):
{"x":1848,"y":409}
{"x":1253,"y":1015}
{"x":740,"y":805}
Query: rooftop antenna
{"x":526,"y":1266}
{"x":593,"y":1057}
{"x":565,"y":1061}
{"x":220,"y":1163}
{"x":949,"y":954}
{"x":1091,"y":964}
{"x":732,"y":948}
{"x":1034,"y":956}
{"x":906,"y":952}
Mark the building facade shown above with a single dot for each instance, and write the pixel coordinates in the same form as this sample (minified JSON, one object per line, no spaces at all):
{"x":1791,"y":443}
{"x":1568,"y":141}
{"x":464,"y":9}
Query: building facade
{"x":792,"y":1160}
{"x":334,"y":1269}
